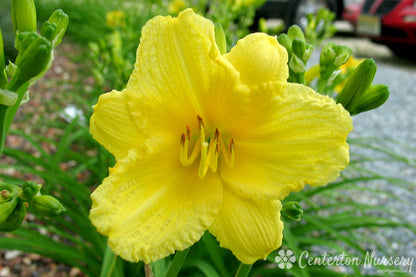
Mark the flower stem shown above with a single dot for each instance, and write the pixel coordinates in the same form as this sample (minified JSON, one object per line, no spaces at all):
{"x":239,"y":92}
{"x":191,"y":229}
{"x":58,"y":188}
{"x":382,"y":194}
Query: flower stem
{"x":109,"y":263}
{"x":243,"y":270}
{"x":177,"y":263}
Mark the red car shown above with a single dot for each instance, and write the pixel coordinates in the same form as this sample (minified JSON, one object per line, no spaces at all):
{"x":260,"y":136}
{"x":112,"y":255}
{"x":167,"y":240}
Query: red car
{"x":389,"y":22}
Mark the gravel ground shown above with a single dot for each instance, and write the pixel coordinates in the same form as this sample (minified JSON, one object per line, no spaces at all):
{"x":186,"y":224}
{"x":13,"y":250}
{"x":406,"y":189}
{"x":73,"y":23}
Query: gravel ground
{"x":395,"y":120}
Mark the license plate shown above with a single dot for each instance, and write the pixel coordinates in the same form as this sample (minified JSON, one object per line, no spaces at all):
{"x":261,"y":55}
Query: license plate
{"x":369,"y":25}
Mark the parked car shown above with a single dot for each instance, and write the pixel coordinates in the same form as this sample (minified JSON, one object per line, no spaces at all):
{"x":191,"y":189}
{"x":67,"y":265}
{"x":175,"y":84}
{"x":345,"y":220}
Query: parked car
{"x":295,"y":11}
{"x":389,"y":22}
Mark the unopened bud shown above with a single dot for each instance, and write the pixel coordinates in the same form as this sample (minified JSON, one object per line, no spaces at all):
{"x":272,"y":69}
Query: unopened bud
{"x":47,"y":205}
{"x":29,"y":190}
{"x":34,"y":59}
{"x":298,"y":47}
{"x":296,"y":64}
{"x":15,"y":219}
{"x":342,"y":58}
{"x":8,"y":200}
{"x":7,"y":98}
{"x":356,"y":84}
{"x":60,"y":20}
{"x":373,"y":98}
{"x":292,"y":210}
{"x":48,"y":30}
{"x":24,"y":15}
{"x":295,"y":32}
{"x":328,"y":53}
{"x":220,"y":38}
{"x":286,"y":42}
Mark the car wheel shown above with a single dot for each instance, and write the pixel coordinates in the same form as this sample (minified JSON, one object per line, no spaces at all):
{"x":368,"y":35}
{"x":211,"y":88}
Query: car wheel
{"x":298,"y":9}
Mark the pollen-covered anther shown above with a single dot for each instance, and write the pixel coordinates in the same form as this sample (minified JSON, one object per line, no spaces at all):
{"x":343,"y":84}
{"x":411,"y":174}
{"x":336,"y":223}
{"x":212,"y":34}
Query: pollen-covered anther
{"x":209,"y":148}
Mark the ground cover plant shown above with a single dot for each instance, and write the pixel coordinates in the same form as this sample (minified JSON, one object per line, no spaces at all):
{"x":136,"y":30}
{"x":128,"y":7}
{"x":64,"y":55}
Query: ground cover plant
{"x":316,"y":219}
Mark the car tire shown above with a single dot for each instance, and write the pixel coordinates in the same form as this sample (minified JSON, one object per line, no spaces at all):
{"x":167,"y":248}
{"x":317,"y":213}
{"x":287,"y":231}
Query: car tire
{"x":298,"y":9}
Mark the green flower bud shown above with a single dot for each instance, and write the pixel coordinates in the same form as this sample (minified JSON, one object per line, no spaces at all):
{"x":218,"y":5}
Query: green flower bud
{"x":29,"y":190}
{"x":34,"y":59}
{"x":48,"y":30}
{"x":23,"y":40}
{"x":60,"y":20}
{"x":296,"y":64}
{"x":295,"y":32}
{"x":47,"y":205}
{"x":15,"y":219}
{"x":292,"y":210}
{"x":373,"y":98}
{"x":298,"y":47}
{"x":220,"y":38}
{"x":24,"y":15}
{"x":328,"y":53}
{"x":8,"y":200}
{"x":342,"y":58}
{"x":7,"y":98}
{"x":356,"y":84}
{"x":286,"y":42}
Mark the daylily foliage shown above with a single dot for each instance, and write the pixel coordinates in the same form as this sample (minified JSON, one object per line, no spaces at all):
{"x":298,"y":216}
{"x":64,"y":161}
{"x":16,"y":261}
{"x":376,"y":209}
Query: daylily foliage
{"x":205,"y":141}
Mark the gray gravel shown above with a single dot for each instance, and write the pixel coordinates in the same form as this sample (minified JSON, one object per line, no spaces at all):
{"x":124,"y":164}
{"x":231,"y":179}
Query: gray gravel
{"x":395,"y":120}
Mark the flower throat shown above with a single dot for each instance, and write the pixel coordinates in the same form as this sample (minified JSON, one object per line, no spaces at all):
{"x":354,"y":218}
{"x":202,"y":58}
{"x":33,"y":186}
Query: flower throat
{"x":209,"y":148}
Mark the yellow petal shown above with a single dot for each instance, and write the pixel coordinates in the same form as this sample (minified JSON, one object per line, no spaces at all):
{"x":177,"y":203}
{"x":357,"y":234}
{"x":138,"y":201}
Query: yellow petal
{"x":295,"y":138}
{"x":112,"y":125}
{"x":250,"y":228}
{"x":259,"y":58}
{"x":180,"y":74}
{"x":151,"y":206}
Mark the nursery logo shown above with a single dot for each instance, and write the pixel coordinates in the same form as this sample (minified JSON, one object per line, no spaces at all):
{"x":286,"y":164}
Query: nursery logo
{"x":285,"y":259}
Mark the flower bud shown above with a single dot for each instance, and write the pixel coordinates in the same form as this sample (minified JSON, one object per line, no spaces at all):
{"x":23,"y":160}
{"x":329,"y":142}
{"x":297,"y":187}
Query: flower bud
{"x":342,"y":58}
{"x":60,"y":20}
{"x":356,"y":84}
{"x":8,"y":200}
{"x":23,"y":40}
{"x":220,"y":38}
{"x":15,"y":219}
{"x":328,"y":53}
{"x":7,"y":98}
{"x":298,"y":47}
{"x":34,"y":59}
{"x":296,"y":64}
{"x":48,"y":30}
{"x":373,"y":98}
{"x":286,"y":42}
{"x":295,"y":32}
{"x":47,"y":205}
{"x":292,"y":210}
{"x":24,"y":15}
{"x":29,"y":190}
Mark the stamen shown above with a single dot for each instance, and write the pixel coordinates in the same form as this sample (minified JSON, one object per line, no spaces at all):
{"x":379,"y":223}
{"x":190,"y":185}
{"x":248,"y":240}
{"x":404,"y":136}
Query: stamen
{"x":210,"y":149}
{"x":202,"y":164}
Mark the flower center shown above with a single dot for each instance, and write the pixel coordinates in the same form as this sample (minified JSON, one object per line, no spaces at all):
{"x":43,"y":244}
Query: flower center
{"x":209,"y":148}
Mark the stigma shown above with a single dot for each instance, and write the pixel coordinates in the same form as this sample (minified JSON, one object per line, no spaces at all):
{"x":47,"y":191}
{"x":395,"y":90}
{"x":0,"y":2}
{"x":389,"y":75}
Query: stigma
{"x":208,"y":147}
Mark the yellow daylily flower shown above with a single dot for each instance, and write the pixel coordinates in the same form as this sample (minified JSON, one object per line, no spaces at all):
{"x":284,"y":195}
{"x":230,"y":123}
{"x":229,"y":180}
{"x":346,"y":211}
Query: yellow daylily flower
{"x":205,"y":141}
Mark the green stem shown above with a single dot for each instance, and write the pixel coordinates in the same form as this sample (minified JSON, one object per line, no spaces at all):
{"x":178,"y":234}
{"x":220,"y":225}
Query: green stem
{"x":19,"y":86}
{"x":177,"y":263}
{"x":243,"y":270}
{"x":109,"y":263}
{"x":3,"y":133}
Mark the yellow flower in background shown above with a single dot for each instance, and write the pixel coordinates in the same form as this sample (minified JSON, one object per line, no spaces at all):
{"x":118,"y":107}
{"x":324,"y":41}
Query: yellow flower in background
{"x":116,"y":19}
{"x":209,"y":142}
{"x":176,"y":6}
